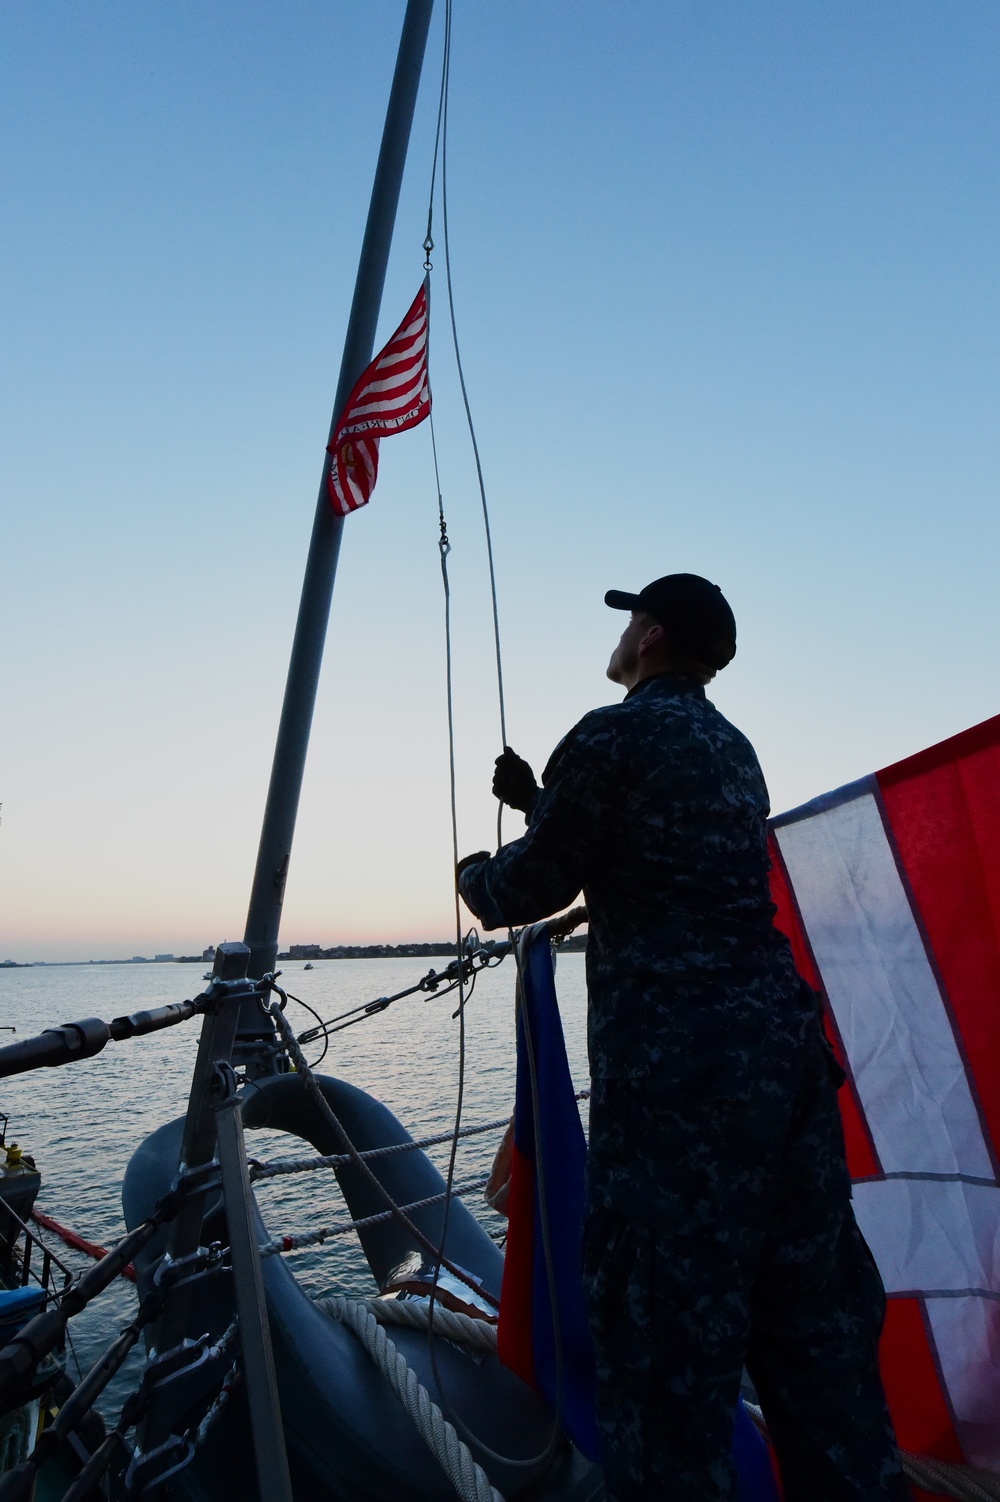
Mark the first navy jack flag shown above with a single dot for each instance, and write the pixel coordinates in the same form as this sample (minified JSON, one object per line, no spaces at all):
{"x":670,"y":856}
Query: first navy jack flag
{"x":890,"y":892}
{"x":393,"y":394}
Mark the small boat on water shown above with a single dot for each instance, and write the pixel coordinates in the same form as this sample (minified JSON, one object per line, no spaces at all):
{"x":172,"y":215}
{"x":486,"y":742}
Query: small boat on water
{"x":21,"y":1297}
{"x":33,"y":1276}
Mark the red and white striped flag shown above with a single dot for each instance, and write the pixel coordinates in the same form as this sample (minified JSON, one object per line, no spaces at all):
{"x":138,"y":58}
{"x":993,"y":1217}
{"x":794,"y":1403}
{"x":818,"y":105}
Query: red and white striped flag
{"x":393,"y":394}
{"x":890,"y":892}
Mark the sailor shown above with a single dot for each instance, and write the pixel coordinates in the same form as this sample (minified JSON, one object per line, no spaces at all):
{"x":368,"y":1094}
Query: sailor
{"x":719,"y":1230}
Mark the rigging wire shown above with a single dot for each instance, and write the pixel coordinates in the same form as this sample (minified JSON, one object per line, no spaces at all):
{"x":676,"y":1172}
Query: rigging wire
{"x":444,"y":546}
{"x":432,"y":985}
{"x":323,"y":1032}
{"x":76,"y":1359}
{"x":442,"y":136}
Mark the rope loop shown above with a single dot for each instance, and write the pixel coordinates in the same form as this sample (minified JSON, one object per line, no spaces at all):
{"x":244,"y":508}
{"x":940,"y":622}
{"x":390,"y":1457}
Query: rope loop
{"x":467,"y":1477}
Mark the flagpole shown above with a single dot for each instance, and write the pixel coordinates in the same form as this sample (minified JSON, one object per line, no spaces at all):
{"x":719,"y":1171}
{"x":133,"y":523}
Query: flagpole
{"x":268,"y":890}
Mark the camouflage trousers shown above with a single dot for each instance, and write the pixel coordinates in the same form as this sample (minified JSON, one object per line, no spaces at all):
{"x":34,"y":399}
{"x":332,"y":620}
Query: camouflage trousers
{"x":720,"y":1234}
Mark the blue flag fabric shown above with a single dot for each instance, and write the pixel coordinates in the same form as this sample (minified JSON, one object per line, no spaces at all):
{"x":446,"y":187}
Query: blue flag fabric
{"x":548,"y":1176}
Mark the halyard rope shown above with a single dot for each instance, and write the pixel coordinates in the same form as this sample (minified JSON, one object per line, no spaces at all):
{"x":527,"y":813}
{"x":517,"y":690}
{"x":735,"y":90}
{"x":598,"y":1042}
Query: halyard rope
{"x":444,"y":548}
{"x":441,"y":144}
{"x":442,"y":137}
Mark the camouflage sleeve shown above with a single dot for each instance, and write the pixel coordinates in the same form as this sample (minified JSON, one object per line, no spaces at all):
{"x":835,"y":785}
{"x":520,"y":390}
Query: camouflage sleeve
{"x":543,"y":871}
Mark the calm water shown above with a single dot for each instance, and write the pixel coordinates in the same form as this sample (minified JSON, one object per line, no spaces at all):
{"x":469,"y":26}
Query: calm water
{"x":82,"y":1122}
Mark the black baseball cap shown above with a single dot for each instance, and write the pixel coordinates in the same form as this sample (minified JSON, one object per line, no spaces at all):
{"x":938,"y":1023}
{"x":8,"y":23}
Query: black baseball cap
{"x":694,"y":611}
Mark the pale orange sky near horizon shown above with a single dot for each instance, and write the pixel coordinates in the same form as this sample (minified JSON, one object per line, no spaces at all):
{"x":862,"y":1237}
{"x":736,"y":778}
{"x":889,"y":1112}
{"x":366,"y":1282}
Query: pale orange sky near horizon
{"x":727,"y":296}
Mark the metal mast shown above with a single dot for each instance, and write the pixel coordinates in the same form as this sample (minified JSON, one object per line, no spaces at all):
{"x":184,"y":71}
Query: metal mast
{"x":267,"y":893}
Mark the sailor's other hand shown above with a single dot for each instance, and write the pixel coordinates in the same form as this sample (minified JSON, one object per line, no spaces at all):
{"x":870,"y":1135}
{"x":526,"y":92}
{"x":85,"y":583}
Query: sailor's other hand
{"x":514,"y":782}
{"x":471,"y":860}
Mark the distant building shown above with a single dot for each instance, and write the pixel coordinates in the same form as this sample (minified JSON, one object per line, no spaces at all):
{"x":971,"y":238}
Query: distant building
{"x":305,"y":952}
{"x":162,"y":956}
{"x":209,"y":953}
{"x":139,"y":959}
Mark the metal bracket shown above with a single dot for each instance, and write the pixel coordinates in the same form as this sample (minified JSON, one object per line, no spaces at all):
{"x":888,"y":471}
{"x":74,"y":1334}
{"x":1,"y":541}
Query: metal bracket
{"x":178,"y":1362}
{"x":177,"y":1272}
{"x":229,"y":988}
{"x":203,"y":1177}
{"x":149,"y":1471}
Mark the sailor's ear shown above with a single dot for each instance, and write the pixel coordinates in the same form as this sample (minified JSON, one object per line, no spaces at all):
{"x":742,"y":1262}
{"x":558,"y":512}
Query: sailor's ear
{"x":652,"y":638}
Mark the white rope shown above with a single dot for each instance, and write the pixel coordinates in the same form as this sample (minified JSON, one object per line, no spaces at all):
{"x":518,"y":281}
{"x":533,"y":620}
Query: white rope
{"x":229,"y":1382}
{"x":455,"y":1458}
{"x":277,"y":1166}
{"x":961,"y":1482}
{"x":938,"y":1476}
{"x":291,"y":1242}
{"x":415,"y":1314}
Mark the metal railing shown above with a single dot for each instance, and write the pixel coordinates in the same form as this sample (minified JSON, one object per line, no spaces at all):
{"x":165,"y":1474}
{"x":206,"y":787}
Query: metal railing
{"x":153,"y":1438}
{"x":16,"y":1259}
{"x":25,"y":1256}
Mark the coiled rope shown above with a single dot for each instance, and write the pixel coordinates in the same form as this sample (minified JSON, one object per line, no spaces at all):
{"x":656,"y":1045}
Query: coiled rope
{"x":960,"y":1482}
{"x":455,"y":1458}
{"x":963,"y":1483}
{"x":415,"y":1314}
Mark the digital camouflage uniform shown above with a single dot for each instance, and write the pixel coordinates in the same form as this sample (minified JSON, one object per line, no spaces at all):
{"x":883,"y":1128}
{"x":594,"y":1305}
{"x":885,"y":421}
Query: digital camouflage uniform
{"x":719,"y":1227}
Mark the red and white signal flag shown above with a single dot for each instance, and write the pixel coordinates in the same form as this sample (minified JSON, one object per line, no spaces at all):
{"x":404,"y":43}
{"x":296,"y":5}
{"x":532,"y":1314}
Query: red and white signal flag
{"x":393,"y":394}
{"x":890,"y":892}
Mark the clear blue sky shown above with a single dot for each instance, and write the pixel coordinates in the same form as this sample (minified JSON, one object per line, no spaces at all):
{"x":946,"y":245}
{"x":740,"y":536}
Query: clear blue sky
{"x":726,"y":276}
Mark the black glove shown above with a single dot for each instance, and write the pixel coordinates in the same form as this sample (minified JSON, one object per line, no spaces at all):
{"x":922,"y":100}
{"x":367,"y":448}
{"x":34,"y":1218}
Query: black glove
{"x":471,"y":860}
{"x":514,"y":782}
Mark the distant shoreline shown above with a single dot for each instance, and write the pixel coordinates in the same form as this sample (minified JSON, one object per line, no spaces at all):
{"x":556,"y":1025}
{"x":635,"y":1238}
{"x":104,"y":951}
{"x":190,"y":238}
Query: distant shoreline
{"x":175,"y":959}
{"x":293,"y":954}
{"x":392,"y":951}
